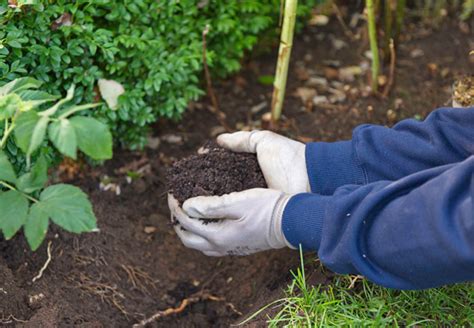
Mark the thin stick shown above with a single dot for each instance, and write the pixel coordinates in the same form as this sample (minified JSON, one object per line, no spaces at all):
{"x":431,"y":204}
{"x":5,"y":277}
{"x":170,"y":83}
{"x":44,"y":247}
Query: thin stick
{"x":354,"y":280}
{"x":341,"y":21}
{"x":391,"y":75}
{"x":45,"y":266}
{"x":284,"y":53}
{"x":373,"y":44}
{"x":388,"y":10}
{"x":210,"y":90}
{"x":200,"y":296}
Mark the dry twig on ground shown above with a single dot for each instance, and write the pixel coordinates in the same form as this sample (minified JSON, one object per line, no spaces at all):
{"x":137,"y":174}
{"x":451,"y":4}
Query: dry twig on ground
{"x":195,"y":298}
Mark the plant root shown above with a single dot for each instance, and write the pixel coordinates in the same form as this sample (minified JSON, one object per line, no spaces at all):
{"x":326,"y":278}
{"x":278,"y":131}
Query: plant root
{"x":139,"y":278}
{"x":108,"y":294}
{"x":45,"y":266}
{"x":10,"y":319}
{"x":195,"y":298}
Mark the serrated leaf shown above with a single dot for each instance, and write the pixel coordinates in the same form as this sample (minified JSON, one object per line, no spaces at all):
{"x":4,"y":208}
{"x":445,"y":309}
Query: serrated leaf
{"x":93,"y":137}
{"x":13,"y":209}
{"x":7,"y":173}
{"x":36,"y":225}
{"x":38,"y":134}
{"x":17,"y":85}
{"x":110,"y":91}
{"x":36,"y":97}
{"x":68,"y":207}
{"x":30,"y":131}
{"x":9,"y":105}
{"x":63,"y":136}
{"x":36,"y":178}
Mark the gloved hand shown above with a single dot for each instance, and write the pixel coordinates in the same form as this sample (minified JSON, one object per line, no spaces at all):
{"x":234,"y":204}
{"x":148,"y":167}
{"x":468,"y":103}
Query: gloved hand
{"x":251,"y":222}
{"x":282,"y":160}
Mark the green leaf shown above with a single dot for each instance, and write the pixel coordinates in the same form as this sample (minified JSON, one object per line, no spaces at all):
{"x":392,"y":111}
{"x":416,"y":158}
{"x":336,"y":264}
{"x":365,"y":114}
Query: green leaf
{"x":68,"y":207}
{"x":6,"y":169}
{"x":36,"y":225}
{"x":93,"y":137}
{"x":22,"y":83}
{"x":36,"y":178}
{"x":30,"y":131}
{"x":14,"y":44}
{"x":36,"y":97}
{"x":13,"y":209}
{"x":63,"y":136}
{"x":9,"y":105}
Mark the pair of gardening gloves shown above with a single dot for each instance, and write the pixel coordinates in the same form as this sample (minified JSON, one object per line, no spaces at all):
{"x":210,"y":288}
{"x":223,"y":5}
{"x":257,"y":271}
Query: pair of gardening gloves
{"x":250,"y":220}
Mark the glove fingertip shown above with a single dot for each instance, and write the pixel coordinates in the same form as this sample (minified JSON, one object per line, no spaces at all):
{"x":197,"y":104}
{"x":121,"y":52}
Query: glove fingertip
{"x":223,"y":139}
{"x":191,"y":207}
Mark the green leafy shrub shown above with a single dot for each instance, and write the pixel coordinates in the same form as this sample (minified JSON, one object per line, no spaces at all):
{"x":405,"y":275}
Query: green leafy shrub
{"x":152,"y":47}
{"x":25,"y":199}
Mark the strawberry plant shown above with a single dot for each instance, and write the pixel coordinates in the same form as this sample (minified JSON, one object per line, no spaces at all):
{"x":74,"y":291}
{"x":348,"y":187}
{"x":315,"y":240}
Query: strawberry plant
{"x":25,"y":198}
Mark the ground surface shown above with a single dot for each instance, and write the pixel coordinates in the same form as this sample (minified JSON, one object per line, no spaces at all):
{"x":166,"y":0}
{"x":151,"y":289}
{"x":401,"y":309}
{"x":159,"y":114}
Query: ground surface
{"x":136,"y":265}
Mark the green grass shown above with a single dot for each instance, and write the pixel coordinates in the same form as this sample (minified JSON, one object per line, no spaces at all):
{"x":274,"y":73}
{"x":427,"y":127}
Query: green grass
{"x":345,"y":303}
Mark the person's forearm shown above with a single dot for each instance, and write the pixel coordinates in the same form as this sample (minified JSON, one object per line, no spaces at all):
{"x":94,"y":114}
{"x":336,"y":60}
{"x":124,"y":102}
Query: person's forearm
{"x":414,"y":233}
{"x":379,"y":153}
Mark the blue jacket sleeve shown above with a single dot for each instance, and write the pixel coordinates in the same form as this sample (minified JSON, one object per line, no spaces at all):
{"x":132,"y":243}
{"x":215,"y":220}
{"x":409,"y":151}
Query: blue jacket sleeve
{"x":414,"y":233}
{"x":380,"y":153}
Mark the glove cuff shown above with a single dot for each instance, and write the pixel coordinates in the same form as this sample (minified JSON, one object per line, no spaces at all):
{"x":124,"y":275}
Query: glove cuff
{"x":279,"y":239}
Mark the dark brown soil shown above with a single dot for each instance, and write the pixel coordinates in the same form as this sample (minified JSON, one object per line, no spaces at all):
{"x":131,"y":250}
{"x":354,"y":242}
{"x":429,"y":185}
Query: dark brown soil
{"x":214,"y":172}
{"x":136,"y":265}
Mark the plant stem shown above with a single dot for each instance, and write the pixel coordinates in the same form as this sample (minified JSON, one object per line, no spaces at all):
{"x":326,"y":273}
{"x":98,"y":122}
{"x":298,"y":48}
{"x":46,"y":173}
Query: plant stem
{"x":401,"y":5}
{"x":6,"y":133}
{"x":388,"y":27}
{"x":373,"y":44}
{"x":8,"y":186}
{"x":284,"y":53}
{"x":210,"y":90}
{"x":76,"y":109}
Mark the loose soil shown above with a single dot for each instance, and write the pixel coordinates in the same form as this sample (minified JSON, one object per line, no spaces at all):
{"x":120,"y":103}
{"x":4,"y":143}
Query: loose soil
{"x":136,"y":265}
{"x":214,"y":172}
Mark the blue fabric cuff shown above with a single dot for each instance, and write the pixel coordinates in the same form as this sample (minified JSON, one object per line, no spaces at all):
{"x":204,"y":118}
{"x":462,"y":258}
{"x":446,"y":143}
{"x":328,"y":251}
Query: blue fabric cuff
{"x":331,"y":165}
{"x":303,"y":219}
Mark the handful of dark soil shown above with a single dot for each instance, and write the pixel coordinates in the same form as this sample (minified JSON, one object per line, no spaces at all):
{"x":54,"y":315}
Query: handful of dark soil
{"x":214,"y":172}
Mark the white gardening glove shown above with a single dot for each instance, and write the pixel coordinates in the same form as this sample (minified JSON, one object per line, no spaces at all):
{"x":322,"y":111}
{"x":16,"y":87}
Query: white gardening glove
{"x":282,"y":160}
{"x":250,"y":222}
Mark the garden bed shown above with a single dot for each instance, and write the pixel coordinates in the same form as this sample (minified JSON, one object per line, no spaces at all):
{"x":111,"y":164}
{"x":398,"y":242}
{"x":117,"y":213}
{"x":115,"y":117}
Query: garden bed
{"x":136,"y":266}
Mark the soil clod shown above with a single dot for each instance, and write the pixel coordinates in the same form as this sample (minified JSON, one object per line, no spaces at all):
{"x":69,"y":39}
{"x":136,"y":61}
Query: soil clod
{"x":214,"y":172}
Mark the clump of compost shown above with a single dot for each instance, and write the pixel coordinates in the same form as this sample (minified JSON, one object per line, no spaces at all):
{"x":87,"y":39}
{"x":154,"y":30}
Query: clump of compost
{"x":215,"y":171}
